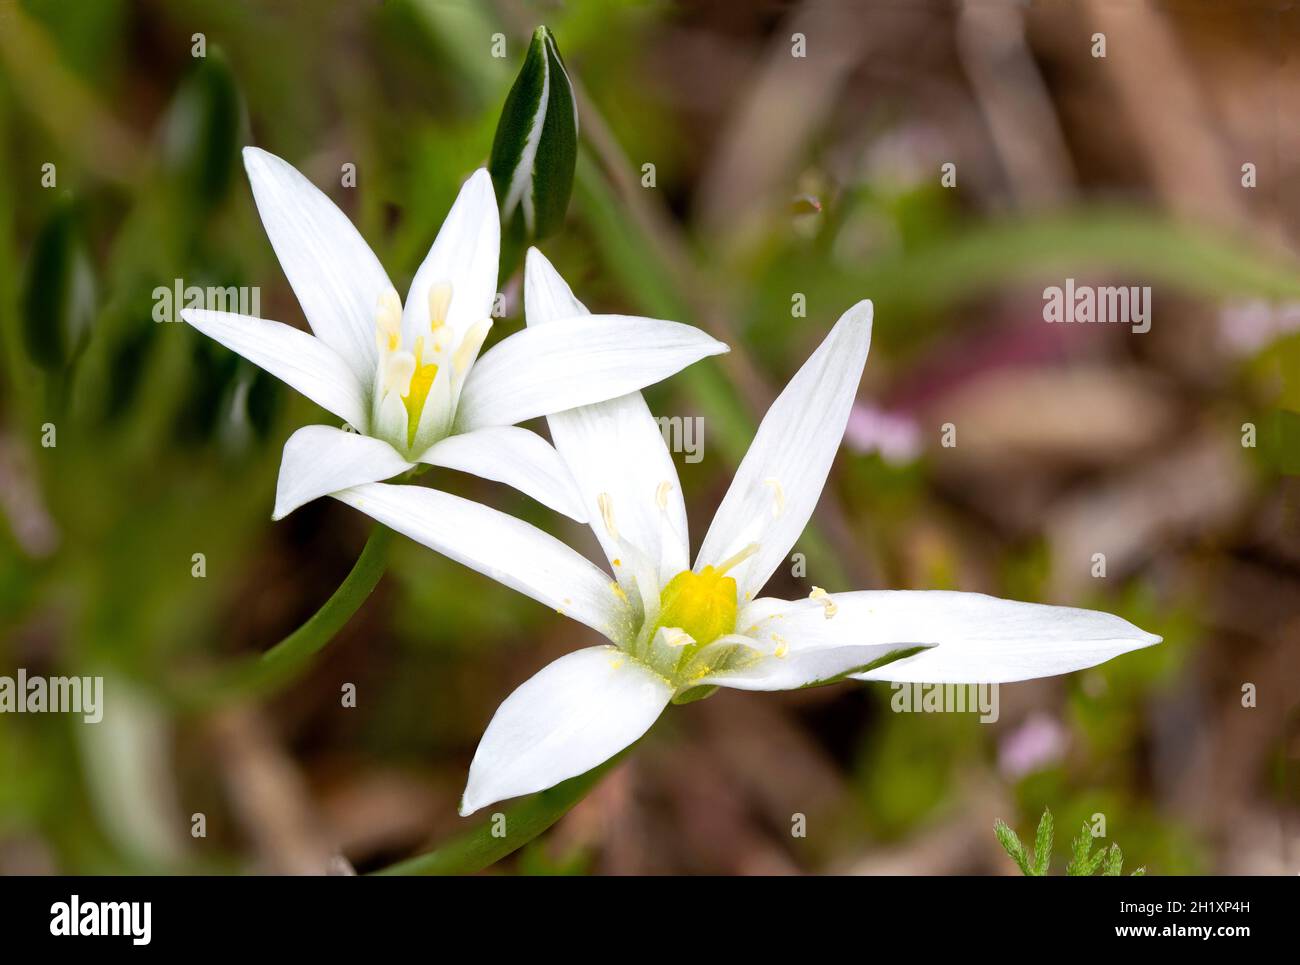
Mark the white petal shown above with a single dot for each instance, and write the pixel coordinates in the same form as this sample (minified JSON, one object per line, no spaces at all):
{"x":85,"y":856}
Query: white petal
{"x":337,"y":278}
{"x":516,"y":457}
{"x":781,"y":477}
{"x":613,"y":447}
{"x":576,"y":713}
{"x":319,"y":460}
{"x":508,"y":550}
{"x":464,"y":254}
{"x":292,"y":356}
{"x":575,"y":361}
{"x":975,"y":638}
{"x":547,"y":296}
{"x":802,"y":646}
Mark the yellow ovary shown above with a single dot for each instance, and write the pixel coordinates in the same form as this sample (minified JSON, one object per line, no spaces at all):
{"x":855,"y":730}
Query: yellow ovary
{"x":702,"y":604}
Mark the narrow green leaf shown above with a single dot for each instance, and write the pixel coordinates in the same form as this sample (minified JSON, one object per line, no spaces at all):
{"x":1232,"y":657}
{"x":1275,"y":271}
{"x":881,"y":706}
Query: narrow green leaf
{"x":58,"y":302}
{"x":1114,"y":861}
{"x":1080,"y":848}
{"x":482,"y":846}
{"x":1095,"y":861}
{"x":1043,"y":844}
{"x":1010,"y":842}
{"x":535,"y":150}
{"x":200,"y":133}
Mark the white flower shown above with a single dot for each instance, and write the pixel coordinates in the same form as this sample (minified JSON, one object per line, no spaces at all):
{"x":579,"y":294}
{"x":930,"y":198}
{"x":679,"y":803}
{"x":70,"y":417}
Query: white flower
{"x":407,"y":377}
{"x":679,"y":631}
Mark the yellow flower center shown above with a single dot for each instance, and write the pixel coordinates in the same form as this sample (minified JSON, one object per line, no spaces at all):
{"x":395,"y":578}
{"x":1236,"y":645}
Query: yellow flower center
{"x":701,"y":604}
{"x":414,"y":399}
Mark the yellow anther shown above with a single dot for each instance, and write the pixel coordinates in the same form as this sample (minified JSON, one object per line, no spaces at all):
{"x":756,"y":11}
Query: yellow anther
{"x":782,"y":647}
{"x":822,"y":597}
{"x":661,"y":494}
{"x":618,"y":591}
{"x":606,"y":506}
{"x":439,"y":300}
{"x":778,"y":496}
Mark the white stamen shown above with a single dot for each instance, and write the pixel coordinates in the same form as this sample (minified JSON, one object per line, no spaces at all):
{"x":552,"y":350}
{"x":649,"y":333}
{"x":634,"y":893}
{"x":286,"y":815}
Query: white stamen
{"x":398,"y":369}
{"x":439,"y":300}
{"x":737,"y":558}
{"x":469,"y":345}
{"x":676,"y":637}
{"x":388,"y":321}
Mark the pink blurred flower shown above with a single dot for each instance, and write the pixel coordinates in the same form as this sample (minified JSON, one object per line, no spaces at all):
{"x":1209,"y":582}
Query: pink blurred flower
{"x":895,"y":436}
{"x":1246,"y":328}
{"x":1037,"y":743}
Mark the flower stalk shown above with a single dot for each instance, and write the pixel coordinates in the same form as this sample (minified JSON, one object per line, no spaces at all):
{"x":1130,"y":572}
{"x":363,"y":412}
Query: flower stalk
{"x":282,"y":663}
{"x":480,"y":848}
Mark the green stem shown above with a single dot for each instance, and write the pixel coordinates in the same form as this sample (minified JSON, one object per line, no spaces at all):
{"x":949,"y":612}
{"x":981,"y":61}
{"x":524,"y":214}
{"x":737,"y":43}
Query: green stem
{"x":284,"y":661}
{"x":478,"y":848}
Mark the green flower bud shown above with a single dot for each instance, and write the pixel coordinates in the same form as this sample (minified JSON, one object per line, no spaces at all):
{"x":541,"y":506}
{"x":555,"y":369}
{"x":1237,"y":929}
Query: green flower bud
{"x":535,"y":150}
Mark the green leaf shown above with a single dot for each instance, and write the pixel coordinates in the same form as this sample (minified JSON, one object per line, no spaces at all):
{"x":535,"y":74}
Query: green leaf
{"x":1043,"y":844}
{"x":200,"y":134}
{"x":1094,"y":862}
{"x":1080,"y":848}
{"x":484,"y":845}
{"x":535,"y":150}
{"x":58,"y":303}
{"x":1114,"y":861}
{"x":1011,"y":845}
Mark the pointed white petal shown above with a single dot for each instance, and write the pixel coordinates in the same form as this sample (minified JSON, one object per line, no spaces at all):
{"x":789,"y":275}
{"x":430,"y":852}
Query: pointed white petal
{"x":319,"y":460}
{"x":974,"y":638}
{"x":800,"y":644}
{"x":574,"y":714}
{"x":781,"y":477}
{"x":337,"y":278}
{"x":508,"y":550}
{"x":292,"y":356}
{"x":516,"y":457}
{"x":465,"y":255}
{"x":613,"y":447}
{"x":547,"y":296}
{"x":575,"y":361}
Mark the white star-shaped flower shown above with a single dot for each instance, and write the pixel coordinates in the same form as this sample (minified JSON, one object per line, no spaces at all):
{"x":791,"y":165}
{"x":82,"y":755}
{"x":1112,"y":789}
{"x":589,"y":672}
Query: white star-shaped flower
{"x":676,"y":630}
{"x":407,"y":376}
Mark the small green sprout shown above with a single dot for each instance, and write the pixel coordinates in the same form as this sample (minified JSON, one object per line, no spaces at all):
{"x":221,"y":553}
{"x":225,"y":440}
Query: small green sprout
{"x":1083,"y":860}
